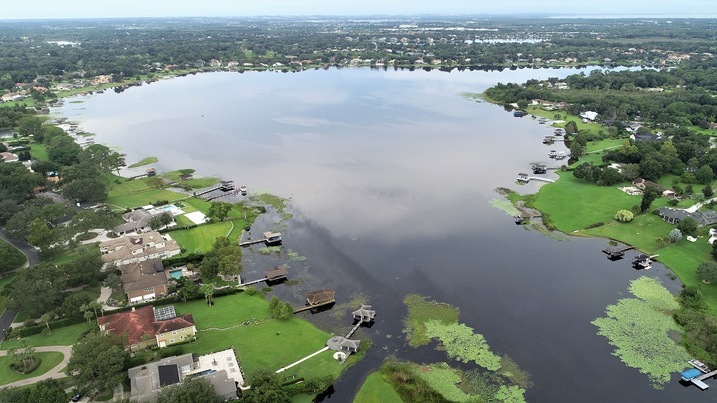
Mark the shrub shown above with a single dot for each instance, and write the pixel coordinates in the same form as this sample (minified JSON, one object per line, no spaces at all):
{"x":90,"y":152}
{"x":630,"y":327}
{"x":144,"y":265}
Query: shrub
{"x":707,"y":271}
{"x":624,"y":216}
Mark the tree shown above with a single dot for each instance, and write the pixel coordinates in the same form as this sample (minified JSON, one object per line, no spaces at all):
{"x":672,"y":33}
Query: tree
{"x":265,"y":388}
{"x":219,"y":210}
{"x":86,"y":189}
{"x":98,"y":361}
{"x":40,"y":234}
{"x":571,"y":127}
{"x":609,"y":177}
{"x":707,"y":191}
{"x":160,"y":221}
{"x":576,"y":150}
{"x":46,"y":318}
{"x":189,"y":391}
{"x":523,"y":103}
{"x":624,"y":216}
{"x":707,"y":271}
{"x":649,"y":195}
{"x":47,"y":391}
{"x":43,"y":279}
{"x":208,"y":291}
{"x":224,"y":258}
{"x":29,"y":126}
{"x":687,"y":226}
{"x":704,"y":175}
{"x":675,"y":235}
{"x":186,"y":289}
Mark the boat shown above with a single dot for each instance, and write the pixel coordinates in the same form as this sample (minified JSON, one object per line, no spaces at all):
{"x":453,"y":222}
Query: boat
{"x":242,"y":189}
{"x":699,"y":365}
{"x":560,"y":155}
{"x":519,"y":114}
{"x":552,"y":153}
{"x":642,"y":262}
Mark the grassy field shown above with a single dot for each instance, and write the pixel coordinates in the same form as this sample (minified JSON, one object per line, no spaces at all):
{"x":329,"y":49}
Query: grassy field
{"x":270,"y":344}
{"x":8,"y":375}
{"x":571,"y":205}
{"x":194,"y":183}
{"x":683,"y":258}
{"x":138,"y":192}
{"x":201,"y":238}
{"x":64,"y":336}
{"x":39,"y":152}
{"x":376,"y":390}
{"x":146,"y":161}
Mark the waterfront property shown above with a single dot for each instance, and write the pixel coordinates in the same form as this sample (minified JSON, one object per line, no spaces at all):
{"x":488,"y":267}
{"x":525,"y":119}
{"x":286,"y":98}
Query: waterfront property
{"x":220,"y":369}
{"x":145,"y":280}
{"x":675,"y":215}
{"x":147,"y":326}
{"x":138,"y":248}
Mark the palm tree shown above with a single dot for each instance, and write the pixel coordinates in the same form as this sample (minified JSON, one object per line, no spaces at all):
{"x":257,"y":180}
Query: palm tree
{"x":46,"y":318}
{"x":208,"y":291}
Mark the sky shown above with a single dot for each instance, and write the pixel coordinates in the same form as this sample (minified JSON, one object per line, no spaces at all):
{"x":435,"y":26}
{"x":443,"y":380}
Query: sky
{"x":44,"y":9}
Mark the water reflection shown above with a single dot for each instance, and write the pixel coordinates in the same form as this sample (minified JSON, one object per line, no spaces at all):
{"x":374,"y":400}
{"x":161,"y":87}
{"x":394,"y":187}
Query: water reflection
{"x":391,"y":174}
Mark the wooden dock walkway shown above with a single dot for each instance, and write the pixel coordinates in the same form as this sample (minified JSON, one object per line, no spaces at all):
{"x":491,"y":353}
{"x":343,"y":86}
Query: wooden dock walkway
{"x":616,"y":254}
{"x":233,"y":192}
{"x":276,"y":274}
{"x":534,"y":178}
{"x":308,"y":307}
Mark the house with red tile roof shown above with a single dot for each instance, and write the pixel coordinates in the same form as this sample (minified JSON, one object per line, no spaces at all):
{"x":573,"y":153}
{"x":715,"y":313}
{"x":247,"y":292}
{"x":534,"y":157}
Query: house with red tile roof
{"x":147,"y":326}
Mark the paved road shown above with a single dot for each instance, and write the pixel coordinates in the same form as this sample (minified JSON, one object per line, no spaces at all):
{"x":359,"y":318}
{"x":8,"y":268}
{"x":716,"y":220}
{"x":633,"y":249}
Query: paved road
{"x":5,"y":321}
{"x":30,"y":253}
{"x":54,"y":373}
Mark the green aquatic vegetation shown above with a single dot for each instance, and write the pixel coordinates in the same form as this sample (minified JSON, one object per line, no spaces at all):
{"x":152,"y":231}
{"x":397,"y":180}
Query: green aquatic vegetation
{"x":505,"y":205}
{"x":444,"y":380}
{"x":269,"y":199}
{"x":146,"y":161}
{"x":462,"y":344}
{"x":510,"y":394}
{"x":422,"y":310}
{"x":268,"y":250}
{"x":295,"y":256}
{"x":640,"y":329}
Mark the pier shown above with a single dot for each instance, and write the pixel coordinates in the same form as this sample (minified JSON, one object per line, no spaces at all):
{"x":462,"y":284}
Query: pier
{"x":616,"y":254}
{"x":698,"y":374}
{"x":523,"y":177}
{"x":316,"y":299}
{"x":276,"y":274}
{"x":270,"y":238}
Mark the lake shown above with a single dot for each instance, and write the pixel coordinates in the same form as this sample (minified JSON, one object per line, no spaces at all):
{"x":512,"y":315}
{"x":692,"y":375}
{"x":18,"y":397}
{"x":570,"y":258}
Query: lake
{"x":391,"y":175}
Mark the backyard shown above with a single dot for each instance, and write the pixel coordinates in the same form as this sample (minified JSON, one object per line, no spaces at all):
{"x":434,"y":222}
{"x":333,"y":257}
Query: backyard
{"x":8,"y":375}
{"x":244,"y":322}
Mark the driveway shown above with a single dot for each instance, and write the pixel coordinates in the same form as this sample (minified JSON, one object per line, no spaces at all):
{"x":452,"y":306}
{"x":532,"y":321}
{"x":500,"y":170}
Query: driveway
{"x":54,"y":373}
{"x":30,"y":253}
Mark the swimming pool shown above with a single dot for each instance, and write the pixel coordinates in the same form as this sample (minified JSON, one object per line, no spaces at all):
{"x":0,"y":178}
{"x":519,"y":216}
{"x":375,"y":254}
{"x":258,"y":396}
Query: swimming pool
{"x":175,"y":274}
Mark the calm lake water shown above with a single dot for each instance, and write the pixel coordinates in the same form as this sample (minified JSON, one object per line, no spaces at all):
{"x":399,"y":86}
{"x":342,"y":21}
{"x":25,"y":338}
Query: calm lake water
{"x":390,"y":175}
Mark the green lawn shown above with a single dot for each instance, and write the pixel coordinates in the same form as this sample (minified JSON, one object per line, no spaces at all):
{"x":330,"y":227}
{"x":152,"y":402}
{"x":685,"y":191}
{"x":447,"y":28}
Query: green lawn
{"x":271,"y":344}
{"x":683,"y":258}
{"x":8,"y":375}
{"x":194,"y":183}
{"x":572,"y":204}
{"x":139,"y":192}
{"x":142,"y":198}
{"x":38,"y":152}
{"x":376,"y":390}
{"x":200,"y":238}
{"x":64,"y":336}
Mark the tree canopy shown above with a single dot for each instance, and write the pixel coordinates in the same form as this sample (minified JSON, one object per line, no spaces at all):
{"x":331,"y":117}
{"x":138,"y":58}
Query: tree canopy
{"x":98,"y":361}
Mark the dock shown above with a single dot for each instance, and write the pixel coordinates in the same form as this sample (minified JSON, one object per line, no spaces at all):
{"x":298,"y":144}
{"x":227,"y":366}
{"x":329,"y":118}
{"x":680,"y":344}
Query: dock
{"x":525,"y":178}
{"x":698,"y":375}
{"x":270,"y":238}
{"x":616,"y":254}
{"x":276,"y":274}
{"x":316,"y":299}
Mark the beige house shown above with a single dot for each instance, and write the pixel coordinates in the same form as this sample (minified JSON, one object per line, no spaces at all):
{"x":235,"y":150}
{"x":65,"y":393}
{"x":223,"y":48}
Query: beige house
{"x":138,"y":248}
{"x":143,"y":281}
